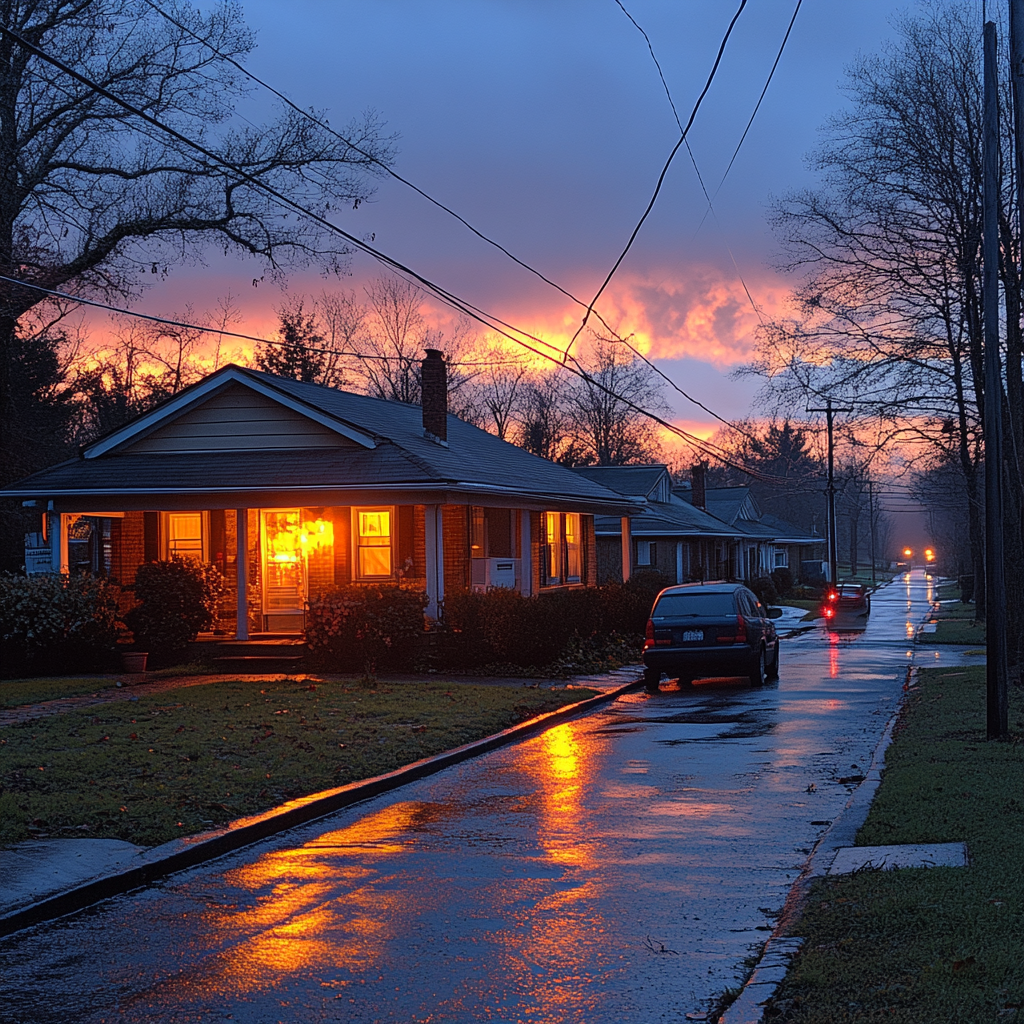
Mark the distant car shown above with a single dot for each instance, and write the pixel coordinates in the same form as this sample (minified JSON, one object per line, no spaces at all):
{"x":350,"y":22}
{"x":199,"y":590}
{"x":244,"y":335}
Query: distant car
{"x":710,"y":629}
{"x":845,"y":600}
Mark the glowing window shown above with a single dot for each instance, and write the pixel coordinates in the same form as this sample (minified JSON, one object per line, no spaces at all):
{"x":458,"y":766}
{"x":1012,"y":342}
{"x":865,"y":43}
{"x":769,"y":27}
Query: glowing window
{"x":573,"y":547}
{"x":185,"y":535}
{"x":373,"y":543}
{"x":553,"y":536}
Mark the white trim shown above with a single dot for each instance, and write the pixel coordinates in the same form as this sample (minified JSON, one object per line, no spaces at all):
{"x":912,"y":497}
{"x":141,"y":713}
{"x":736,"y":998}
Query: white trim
{"x":183,"y":402}
{"x":433,"y":523}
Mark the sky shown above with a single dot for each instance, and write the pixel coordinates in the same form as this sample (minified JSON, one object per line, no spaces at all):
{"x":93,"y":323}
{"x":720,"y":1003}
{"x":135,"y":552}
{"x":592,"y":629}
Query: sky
{"x":545,"y":124}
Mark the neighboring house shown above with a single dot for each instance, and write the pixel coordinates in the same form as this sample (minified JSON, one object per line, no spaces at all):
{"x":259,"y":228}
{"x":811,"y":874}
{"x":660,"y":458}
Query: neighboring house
{"x":289,"y":488}
{"x":669,"y":535}
{"x":764,"y":542}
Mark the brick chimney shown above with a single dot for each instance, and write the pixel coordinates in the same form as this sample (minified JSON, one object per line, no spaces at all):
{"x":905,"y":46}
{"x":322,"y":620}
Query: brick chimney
{"x":434,"y":389}
{"x":698,"y":485}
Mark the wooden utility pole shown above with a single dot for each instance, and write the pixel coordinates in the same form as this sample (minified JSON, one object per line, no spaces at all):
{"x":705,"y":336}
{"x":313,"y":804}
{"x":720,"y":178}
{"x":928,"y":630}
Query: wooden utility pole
{"x":830,"y":491}
{"x":995,"y":584}
{"x":871,"y":524}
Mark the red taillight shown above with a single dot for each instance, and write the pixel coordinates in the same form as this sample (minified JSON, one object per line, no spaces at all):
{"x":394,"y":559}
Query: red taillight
{"x":830,"y":613}
{"x":649,"y":634}
{"x":833,"y":596}
{"x":740,"y":636}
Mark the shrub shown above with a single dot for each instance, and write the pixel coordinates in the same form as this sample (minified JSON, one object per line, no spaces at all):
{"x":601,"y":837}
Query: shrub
{"x":765,"y":590}
{"x":783,"y":580}
{"x":177,"y":600}
{"x":628,"y":605}
{"x":364,"y":627}
{"x":56,"y":622}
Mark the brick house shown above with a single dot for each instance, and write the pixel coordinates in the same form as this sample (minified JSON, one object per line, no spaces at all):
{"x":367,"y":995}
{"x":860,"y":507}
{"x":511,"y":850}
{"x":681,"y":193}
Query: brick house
{"x":290,"y":487}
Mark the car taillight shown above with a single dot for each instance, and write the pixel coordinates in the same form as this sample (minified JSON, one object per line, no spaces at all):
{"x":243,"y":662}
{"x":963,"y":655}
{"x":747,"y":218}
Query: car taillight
{"x":739,"y":637}
{"x":649,"y":634}
{"x":833,"y":596}
{"x":830,"y":613}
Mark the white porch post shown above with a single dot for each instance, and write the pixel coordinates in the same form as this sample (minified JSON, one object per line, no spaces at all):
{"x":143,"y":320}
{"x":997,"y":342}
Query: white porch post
{"x":434,"y":543}
{"x":627,"y":550}
{"x":525,"y":555}
{"x":242,"y":572}
{"x":679,"y":561}
{"x":58,"y":527}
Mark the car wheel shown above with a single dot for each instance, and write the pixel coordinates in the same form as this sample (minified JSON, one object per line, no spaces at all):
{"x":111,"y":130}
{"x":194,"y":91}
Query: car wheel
{"x":773,"y":668}
{"x":652,"y":680}
{"x":757,"y":669}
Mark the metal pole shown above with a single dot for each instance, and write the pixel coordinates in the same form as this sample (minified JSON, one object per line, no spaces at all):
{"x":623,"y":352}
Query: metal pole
{"x":830,"y":490}
{"x":996,"y":661}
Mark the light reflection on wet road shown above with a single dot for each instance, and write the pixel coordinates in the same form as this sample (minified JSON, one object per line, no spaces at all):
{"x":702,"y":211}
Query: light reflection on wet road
{"x":611,"y":869}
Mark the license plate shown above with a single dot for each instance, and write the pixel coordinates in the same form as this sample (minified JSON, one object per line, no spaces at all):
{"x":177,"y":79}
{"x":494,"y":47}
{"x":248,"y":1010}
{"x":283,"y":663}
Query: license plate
{"x":693,"y":634}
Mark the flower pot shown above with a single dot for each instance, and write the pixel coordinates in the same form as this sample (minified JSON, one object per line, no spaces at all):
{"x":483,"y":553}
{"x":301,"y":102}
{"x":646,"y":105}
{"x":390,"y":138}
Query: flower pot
{"x":134,"y":661}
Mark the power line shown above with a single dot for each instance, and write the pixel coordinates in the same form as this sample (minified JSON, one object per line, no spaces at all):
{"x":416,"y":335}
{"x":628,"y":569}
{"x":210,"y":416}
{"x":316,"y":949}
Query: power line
{"x":443,"y":294}
{"x":387,"y":169}
{"x":225,"y":333}
{"x":661,"y":177}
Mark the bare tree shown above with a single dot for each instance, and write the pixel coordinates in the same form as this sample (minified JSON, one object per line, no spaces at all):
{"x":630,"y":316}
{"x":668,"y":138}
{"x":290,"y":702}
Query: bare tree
{"x":500,"y":390}
{"x":603,"y":408}
{"x":543,"y":426}
{"x":889,"y":312}
{"x":94,"y":196}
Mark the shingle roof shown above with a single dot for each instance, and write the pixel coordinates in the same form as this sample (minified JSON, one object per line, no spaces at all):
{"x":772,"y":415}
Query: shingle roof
{"x":473,"y":460}
{"x":676,"y":518}
{"x":636,"y":481}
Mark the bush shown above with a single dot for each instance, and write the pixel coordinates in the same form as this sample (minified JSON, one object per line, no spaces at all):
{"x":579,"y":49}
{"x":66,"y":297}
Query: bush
{"x":177,"y":600}
{"x":783,"y":580}
{"x":765,"y":590}
{"x":55,"y":622}
{"x":503,"y":627}
{"x":364,"y":628}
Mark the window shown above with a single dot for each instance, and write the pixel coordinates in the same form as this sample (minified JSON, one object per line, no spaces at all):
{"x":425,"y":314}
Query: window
{"x":184,"y":532}
{"x":573,"y":548}
{"x":644,"y":552}
{"x":373,"y":538}
{"x":781,"y":558}
{"x":553,"y":537}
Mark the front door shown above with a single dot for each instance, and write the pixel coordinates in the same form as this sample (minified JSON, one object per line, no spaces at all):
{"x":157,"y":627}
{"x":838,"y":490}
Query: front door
{"x":284,"y":571}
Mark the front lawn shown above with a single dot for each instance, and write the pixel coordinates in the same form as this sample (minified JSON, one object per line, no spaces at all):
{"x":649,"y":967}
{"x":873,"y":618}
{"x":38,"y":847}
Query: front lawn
{"x":17,"y":692}
{"x":937,"y":945}
{"x":187,"y":759}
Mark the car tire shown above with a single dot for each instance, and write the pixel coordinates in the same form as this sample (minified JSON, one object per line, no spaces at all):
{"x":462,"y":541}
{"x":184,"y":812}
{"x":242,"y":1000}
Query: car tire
{"x":757,"y":669}
{"x":773,"y":668}
{"x":652,"y":680}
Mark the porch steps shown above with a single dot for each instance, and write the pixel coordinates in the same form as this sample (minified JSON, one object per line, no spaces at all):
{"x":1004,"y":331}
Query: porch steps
{"x":262,"y":653}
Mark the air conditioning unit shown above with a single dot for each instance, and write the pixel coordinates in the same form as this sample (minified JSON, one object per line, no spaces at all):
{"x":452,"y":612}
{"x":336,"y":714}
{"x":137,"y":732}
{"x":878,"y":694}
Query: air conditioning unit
{"x":494,"y":572}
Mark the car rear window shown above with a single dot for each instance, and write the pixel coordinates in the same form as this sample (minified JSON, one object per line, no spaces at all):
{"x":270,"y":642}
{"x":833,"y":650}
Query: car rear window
{"x":694,"y":605}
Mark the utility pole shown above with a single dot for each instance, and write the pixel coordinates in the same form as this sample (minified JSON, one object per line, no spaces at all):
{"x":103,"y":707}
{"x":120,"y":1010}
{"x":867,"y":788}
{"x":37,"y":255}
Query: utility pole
{"x":830,"y":491}
{"x":995,"y":585}
{"x":871,"y":524}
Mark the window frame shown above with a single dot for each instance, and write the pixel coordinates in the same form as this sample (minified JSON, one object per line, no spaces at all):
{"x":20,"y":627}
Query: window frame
{"x":357,"y":575}
{"x":164,"y":545}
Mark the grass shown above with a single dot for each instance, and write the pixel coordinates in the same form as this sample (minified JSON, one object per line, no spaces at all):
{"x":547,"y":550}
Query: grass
{"x":938,"y":945}
{"x":186,"y":759}
{"x":16,"y":692}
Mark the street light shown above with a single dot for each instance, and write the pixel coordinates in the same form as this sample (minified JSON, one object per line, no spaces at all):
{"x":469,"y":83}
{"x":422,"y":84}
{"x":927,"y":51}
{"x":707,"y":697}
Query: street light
{"x":907,"y":552}
{"x":929,"y":555}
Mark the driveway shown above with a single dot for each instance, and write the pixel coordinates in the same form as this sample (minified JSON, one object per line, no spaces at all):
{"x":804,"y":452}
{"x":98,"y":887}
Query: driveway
{"x":618,"y":867}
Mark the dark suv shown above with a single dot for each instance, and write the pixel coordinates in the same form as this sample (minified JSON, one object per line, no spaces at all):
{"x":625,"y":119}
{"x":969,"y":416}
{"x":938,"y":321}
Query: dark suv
{"x":710,"y":629}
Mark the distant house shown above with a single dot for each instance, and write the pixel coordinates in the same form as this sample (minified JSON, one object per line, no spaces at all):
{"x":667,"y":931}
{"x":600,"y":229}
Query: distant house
{"x":289,"y":488}
{"x":669,"y":534}
{"x":764,"y":542}
{"x":730,"y":538}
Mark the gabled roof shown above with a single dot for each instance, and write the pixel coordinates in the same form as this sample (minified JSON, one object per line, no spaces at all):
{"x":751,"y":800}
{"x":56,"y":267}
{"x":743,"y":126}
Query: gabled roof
{"x":651,"y":482}
{"x":382,"y":446}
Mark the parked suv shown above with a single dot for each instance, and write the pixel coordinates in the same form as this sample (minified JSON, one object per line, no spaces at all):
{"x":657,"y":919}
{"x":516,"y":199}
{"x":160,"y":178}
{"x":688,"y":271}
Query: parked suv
{"x":710,"y":629}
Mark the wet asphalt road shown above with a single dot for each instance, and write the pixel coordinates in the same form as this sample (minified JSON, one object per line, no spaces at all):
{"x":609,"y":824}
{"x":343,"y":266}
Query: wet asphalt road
{"x":618,"y":867}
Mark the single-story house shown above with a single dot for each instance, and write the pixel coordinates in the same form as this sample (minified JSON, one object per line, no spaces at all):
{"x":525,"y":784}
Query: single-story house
{"x":763,"y":542}
{"x":669,"y":534}
{"x":291,"y":487}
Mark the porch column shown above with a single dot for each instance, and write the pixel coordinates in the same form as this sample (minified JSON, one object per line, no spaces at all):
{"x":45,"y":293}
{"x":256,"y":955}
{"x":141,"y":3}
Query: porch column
{"x":679,"y":561}
{"x":434,"y":542}
{"x":525,"y":555}
{"x":627,"y":550}
{"x":242,"y":572}
{"x":59,"y":526}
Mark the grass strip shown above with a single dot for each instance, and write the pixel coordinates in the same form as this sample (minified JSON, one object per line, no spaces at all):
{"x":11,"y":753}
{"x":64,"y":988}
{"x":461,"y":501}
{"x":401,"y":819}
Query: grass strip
{"x":18,"y":692}
{"x":941,"y":944}
{"x":955,"y":631}
{"x":181,"y":761}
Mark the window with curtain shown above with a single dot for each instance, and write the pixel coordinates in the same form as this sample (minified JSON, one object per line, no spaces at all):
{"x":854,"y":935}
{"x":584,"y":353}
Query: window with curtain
{"x":573,"y":548}
{"x":373,"y":537}
{"x":553,"y":542}
{"x":185,"y":535}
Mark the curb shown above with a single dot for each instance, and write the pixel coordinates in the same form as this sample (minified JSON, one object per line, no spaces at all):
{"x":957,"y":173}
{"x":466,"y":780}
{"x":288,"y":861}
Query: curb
{"x":179,"y":854}
{"x":748,"y":1008}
